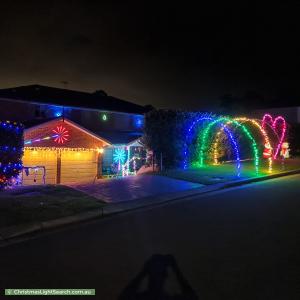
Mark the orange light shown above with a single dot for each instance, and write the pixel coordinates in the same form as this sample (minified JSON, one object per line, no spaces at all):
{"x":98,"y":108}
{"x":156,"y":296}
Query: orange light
{"x":100,"y":150}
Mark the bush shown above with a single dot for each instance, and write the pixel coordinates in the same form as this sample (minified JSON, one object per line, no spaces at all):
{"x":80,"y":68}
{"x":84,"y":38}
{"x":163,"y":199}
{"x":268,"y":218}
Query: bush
{"x":11,"y":151}
{"x":166,"y":134}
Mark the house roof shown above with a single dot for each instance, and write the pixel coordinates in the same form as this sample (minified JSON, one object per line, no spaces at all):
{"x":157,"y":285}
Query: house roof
{"x":120,"y":137}
{"x":109,"y":137}
{"x":63,"y":97}
{"x":77,"y":132}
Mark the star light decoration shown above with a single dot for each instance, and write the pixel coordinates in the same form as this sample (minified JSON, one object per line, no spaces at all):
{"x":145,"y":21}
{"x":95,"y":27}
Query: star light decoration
{"x":119,"y":155}
{"x":62,"y":134}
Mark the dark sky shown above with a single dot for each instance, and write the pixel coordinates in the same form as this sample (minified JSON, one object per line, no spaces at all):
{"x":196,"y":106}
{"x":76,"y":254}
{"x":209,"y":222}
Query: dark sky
{"x":179,"y":56}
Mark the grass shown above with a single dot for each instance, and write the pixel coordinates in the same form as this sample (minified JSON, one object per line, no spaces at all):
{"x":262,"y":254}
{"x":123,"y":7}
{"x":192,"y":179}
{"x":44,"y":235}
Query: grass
{"x":31,"y":204}
{"x":25,"y":205}
{"x":212,"y":174}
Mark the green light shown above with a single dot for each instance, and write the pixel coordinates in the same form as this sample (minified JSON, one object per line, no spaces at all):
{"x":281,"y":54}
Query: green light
{"x":104,"y":117}
{"x":204,"y":138}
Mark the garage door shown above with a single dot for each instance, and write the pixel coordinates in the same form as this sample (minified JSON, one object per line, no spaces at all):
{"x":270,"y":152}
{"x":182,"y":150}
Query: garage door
{"x":78,"y":166}
{"x":34,"y":158}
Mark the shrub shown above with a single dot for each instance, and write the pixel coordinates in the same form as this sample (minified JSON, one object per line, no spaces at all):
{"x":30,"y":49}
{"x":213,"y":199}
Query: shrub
{"x":11,"y":151}
{"x":166,"y":134}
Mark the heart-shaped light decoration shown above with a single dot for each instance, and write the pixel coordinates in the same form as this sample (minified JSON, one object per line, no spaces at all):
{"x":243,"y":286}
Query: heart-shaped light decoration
{"x":279,"y":131}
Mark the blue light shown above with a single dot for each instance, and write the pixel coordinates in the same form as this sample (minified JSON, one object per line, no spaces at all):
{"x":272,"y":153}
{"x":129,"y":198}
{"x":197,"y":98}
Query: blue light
{"x":204,"y":117}
{"x":138,"y":121}
{"x":58,"y":114}
{"x":54,"y":110}
{"x":235,"y":147}
{"x":119,"y":155}
{"x":191,"y":132}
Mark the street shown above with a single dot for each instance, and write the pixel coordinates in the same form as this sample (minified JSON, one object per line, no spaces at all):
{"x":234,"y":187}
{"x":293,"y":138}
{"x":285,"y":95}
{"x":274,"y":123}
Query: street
{"x":242,"y":243}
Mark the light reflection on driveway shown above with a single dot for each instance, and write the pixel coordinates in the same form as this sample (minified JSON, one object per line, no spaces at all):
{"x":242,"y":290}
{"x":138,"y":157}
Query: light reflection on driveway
{"x":133,"y":187}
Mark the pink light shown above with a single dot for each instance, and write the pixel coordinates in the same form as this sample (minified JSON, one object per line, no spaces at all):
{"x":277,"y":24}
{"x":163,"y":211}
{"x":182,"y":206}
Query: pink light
{"x":283,"y":130}
{"x":267,"y":118}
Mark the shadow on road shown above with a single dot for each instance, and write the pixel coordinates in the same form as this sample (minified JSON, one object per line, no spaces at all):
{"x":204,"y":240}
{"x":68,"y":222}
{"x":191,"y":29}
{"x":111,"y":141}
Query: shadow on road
{"x":156,"y":270}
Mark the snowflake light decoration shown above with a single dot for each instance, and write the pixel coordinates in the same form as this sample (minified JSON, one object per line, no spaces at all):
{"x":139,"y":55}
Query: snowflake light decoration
{"x":119,"y":155}
{"x":61,"y":134}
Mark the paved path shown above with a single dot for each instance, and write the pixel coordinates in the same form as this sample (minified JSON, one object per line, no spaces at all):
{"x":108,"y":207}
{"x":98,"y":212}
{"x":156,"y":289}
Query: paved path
{"x":239,"y":244}
{"x":134,"y":187}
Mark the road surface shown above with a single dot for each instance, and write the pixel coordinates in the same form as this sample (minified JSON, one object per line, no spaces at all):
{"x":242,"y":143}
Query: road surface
{"x":242,"y":243}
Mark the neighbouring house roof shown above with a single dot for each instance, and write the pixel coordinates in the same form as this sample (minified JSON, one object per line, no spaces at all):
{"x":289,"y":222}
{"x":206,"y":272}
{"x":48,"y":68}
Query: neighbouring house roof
{"x":64,"y":97}
{"x":34,"y":122}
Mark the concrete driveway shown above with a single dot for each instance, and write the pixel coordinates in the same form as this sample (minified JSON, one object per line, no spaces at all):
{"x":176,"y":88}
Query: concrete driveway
{"x":133,"y":187}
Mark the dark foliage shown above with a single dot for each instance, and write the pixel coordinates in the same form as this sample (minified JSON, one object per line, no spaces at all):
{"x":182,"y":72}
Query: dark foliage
{"x":166,"y":134}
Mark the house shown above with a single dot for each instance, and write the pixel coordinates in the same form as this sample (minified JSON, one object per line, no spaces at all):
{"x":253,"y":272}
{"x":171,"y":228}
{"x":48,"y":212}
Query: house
{"x":96,"y":111}
{"x":73,"y":136}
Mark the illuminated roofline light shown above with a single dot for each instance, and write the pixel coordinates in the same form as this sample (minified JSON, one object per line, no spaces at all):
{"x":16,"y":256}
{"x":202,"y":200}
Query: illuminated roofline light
{"x":100,"y":150}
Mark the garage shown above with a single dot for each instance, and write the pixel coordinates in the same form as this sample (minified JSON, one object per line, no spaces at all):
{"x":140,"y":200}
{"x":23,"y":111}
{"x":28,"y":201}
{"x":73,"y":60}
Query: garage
{"x":61,"y":152}
{"x":76,"y":165}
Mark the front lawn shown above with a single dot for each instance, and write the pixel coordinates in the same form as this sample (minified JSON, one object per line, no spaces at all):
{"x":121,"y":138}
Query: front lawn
{"x":31,"y":204}
{"x":212,"y":174}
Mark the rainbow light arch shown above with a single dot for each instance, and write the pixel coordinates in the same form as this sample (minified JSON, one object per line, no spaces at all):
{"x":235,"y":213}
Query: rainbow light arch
{"x":225,"y":124}
{"x":235,"y":147}
{"x":188,"y":136}
{"x":257,"y":125}
{"x":202,"y":140}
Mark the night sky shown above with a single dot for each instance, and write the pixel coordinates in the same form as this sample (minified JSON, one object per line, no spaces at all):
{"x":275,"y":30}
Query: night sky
{"x":165,"y":55}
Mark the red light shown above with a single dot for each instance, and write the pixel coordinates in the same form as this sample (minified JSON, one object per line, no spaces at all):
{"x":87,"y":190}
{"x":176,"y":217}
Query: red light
{"x":62,"y":134}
